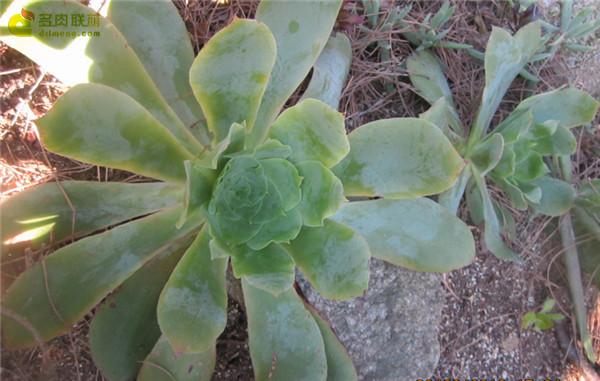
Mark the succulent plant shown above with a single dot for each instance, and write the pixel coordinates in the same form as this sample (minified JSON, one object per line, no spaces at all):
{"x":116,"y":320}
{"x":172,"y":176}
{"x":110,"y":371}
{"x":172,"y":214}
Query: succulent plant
{"x":239,"y":184}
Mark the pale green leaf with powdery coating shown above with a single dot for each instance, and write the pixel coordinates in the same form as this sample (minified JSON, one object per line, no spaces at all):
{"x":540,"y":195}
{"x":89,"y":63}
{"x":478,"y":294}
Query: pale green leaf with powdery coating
{"x":515,"y":125}
{"x":415,"y":233}
{"x":103,"y":126}
{"x":339,"y":363}
{"x":314,"y":131}
{"x":105,"y":59}
{"x":192,"y":310}
{"x":492,"y":237}
{"x":570,"y":107}
{"x":558,"y":197}
{"x":157,"y":34}
{"x":270,"y":269}
{"x":45,"y":206}
{"x":505,"y":57}
{"x":198,"y":188}
{"x":334,"y":258}
{"x":322,"y":193}
{"x":398,"y":158}
{"x":230,"y":74}
{"x":285,"y":341}
{"x":164,"y":364}
{"x":125,"y":328}
{"x":426,"y":75}
{"x":217,"y":156}
{"x":78,"y":276}
{"x":301,"y":29}
{"x":330,"y":71}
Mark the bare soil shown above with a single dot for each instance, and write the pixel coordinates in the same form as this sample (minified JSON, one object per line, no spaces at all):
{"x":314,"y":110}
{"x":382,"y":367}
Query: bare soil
{"x":480,"y":334}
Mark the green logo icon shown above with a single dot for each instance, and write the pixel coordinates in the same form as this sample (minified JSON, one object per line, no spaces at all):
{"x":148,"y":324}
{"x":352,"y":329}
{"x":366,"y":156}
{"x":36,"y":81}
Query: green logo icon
{"x":20,"y":24}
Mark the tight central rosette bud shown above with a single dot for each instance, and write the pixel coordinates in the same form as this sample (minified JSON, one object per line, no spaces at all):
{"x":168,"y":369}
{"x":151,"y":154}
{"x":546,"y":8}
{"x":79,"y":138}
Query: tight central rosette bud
{"x":255,"y":197}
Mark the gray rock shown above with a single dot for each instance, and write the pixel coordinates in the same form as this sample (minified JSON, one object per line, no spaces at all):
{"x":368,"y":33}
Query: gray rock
{"x":391,"y":331}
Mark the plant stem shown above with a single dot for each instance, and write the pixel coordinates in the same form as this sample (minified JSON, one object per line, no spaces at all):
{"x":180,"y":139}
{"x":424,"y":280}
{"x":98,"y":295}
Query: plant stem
{"x":572,"y":265}
{"x":574,"y":276}
{"x":450,"y":199}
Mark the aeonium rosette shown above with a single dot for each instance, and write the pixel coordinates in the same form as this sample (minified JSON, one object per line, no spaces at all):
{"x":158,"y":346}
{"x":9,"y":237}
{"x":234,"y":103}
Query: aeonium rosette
{"x":257,"y":197}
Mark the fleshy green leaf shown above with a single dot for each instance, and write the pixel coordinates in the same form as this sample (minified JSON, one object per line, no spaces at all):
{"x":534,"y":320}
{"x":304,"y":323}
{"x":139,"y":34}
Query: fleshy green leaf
{"x":192,"y":310}
{"x":339,"y":364}
{"x":562,"y":142}
{"x":285,"y":176}
{"x":230,"y":74}
{"x":529,"y":319}
{"x":330,"y":71}
{"x":532,"y":193}
{"x":270,"y":269}
{"x":570,"y":107}
{"x":512,"y":191}
{"x":125,"y":328}
{"x":398,"y":158}
{"x":322,"y":193}
{"x":414,"y":233}
{"x":474,"y":204}
{"x":45,"y":206}
{"x":558,"y":197}
{"x":487,"y":154}
{"x":532,"y":167}
{"x":301,"y":30}
{"x":272,"y":149}
{"x":103,"y":126}
{"x":505,"y":57}
{"x":159,"y":38}
{"x":506,"y":165}
{"x":443,"y":116}
{"x":105,"y":58}
{"x":542,"y":130}
{"x":282,"y":229}
{"x":164,"y":364}
{"x":285,"y":341}
{"x":236,"y":232}
{"x":515,"y":125}
{"x":492,"y":237}
{"x":334,"y":258}
{"x":426,"y":75}
{"x":314,"y":131}
{"x":198,"y":188}
{"x":61,"y":289}
{"x":522,"y":149}
{"x":508,"y":225}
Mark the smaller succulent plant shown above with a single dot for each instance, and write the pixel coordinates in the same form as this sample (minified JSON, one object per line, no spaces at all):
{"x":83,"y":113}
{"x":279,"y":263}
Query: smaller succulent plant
{"x":512,"y":154}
